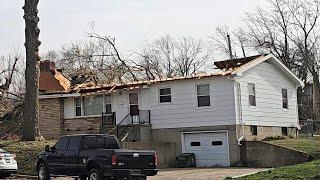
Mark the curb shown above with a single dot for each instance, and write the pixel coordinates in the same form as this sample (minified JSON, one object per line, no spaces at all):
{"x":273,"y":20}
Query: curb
{"x":248,"y":174}
{"x":25,"y":176}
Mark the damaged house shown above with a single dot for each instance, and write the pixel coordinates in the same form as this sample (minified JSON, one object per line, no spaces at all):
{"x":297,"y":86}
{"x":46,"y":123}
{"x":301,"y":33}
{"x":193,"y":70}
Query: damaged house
{"x":207,"y":114}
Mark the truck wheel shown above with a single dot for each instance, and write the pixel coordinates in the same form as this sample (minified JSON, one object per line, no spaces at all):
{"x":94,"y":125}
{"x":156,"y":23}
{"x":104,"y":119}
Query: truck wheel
{"x":81,"y":178}
{"x":43,"y":173}
{"x":94,"y":174}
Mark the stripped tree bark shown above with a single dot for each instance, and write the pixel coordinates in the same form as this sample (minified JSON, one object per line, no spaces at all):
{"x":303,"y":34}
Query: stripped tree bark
{"x":31,"y":111}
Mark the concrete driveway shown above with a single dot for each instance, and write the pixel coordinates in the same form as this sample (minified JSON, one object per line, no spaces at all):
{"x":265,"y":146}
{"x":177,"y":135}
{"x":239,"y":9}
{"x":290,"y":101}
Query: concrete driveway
{"x":188,"y":174}
{"x":202,"y":173}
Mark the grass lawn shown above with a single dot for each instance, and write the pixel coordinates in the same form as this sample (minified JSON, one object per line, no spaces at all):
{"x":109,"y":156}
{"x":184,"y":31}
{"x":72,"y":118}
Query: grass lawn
{"x":26,"y":153}
{"x":309,"y":170}
{"x":310,"y":146}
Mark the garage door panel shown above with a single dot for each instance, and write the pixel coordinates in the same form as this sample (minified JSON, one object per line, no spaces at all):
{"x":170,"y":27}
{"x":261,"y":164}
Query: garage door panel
{"x":210,"y":149}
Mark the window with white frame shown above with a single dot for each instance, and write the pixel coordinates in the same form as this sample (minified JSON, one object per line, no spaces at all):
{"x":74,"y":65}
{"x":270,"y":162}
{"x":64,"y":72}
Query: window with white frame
{"x":203,"y":95}
{"x":165,"y":95}
{"x":285,"y":104}
{"x":92,"y":105}
{"x":252,"y":94}
{"x":78,"y":106}
{"x":107,"y":101}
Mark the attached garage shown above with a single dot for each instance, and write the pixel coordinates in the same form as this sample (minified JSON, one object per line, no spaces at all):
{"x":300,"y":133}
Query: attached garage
{"x":210,"y":148}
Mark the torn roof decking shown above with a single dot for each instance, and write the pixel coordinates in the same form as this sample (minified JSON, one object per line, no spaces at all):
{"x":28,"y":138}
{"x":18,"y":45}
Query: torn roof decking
{"x":227,"y":68}
{"x":235,"y":63}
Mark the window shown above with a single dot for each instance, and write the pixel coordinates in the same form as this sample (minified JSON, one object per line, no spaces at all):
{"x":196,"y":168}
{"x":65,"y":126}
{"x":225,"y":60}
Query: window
{"x":203,"y":95}
{"x":100,"y":142}
{"x":195,"y":143}
{"x":92,"y":105}
{"x":252,"y":94}
{"x":285,"y":98}
{"x":74,"y":143}
{"x":284,"y":131}
{"x":61,"y":144}
{"x":78,"y":106}
{"x":216,"y":143}
{"x":111,"y":143}
{"x":89,"y":142}
{"x":107,"y":101}
{"x":254,"y":130}
{"x":165,"y":95}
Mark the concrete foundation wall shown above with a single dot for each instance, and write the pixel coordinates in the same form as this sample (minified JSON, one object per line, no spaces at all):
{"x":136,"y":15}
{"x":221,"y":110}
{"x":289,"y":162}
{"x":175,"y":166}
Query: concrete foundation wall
{"x":262,"y":154}
{"x":174,"y":136}
{"x":265,"y":131}
{"x":166,"y":151}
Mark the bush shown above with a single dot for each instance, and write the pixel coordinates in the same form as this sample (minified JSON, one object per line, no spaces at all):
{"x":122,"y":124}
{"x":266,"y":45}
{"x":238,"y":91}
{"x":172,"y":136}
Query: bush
{"x":272,"y":138}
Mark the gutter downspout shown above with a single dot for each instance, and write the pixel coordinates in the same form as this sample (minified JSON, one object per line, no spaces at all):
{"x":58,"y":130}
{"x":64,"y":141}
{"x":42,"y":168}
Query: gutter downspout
{"x":238,"y":93}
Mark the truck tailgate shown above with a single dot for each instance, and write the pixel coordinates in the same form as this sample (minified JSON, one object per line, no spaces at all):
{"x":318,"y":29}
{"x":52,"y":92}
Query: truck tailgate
{"x":131,"y":159}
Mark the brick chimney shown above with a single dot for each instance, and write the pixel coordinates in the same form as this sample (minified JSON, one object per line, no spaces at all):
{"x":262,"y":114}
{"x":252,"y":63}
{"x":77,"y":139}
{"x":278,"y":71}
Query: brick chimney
{"x":47,"y":66}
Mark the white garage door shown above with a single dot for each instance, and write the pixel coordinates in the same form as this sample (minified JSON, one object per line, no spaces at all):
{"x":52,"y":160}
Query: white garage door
{"x":210,"y":149}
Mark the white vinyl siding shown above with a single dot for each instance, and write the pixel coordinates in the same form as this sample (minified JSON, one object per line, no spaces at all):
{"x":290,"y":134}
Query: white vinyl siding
{"x":184,"y":110}
{"x":269,"y":82}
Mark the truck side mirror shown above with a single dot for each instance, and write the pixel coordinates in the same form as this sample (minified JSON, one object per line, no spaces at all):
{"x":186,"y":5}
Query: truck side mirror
{"x":46,"y":148}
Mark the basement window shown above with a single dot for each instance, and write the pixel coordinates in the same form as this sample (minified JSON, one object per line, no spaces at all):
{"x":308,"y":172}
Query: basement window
{"x":252,"y":94}
{"x":284,"y":131}
{"x":285,"y":99}
{"x":195,"y":144}
{"x":254,"y":130}
{"x":203,"y":95}
{"x":165,"y":95}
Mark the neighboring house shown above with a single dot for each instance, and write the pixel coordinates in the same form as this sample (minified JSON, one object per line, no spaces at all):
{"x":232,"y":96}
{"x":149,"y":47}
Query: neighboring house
{"x":209,"y":114}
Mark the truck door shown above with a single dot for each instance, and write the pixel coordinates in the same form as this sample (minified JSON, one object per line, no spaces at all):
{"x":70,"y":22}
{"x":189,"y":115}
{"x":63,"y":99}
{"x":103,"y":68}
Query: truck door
{"x":56,"y":157}
{"x":71,"y":159}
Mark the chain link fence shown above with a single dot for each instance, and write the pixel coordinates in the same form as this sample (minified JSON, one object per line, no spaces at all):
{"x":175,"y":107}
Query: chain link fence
{"x":309,"y":127}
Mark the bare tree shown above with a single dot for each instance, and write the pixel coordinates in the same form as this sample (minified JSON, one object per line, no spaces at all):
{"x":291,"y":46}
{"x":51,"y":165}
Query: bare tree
{"x":168,"y":57}
{"x":99,"y":56}
{"x":290,"y":30}
{"x":31,"y":111}
{"x":220,"y":41}
{"x":11,"y":91}
{"x":306,"y":38}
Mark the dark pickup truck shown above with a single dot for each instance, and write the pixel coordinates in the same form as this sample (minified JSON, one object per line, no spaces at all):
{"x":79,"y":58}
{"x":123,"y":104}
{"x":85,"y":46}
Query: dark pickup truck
{"x":96,"y":157}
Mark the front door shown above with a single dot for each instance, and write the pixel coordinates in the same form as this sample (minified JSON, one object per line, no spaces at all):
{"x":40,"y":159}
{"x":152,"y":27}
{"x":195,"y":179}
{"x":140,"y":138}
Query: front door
{"x":134,"y":107}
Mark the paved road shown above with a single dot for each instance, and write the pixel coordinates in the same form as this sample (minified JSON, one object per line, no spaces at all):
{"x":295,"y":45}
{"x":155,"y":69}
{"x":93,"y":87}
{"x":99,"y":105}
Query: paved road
{"x":191,"y":174}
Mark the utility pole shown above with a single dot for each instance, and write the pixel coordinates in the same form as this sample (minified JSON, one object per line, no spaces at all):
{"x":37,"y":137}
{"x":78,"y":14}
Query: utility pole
{"x":31,"y":110}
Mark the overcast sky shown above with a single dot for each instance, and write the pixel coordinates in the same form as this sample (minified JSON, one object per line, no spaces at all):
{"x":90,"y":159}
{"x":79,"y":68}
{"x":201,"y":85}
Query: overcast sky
{"x":132,"y":22}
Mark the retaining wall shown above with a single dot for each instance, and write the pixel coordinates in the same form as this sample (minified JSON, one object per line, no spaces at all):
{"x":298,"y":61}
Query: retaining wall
{"x":166,"y":151}
{"x":263,"y":154}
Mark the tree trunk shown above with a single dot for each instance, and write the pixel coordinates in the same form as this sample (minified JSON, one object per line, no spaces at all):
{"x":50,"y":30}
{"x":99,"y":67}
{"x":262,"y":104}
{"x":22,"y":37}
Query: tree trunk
{"x":31,"y":111}
{"x":316,"y":97}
